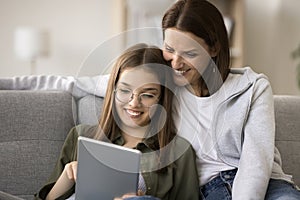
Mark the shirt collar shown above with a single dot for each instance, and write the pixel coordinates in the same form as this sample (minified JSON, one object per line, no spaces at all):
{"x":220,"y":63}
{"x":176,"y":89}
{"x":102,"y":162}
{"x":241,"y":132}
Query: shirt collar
{"x":146,"y":145}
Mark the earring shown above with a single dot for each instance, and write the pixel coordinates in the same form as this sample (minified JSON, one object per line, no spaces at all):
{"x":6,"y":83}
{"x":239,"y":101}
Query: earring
{"x":214,"y":70}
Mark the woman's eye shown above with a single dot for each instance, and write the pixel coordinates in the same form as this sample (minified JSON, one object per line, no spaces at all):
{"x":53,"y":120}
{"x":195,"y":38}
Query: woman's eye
{"x":169,"y":49}
{"x":191,"y":55}
{"x":147,"y":95}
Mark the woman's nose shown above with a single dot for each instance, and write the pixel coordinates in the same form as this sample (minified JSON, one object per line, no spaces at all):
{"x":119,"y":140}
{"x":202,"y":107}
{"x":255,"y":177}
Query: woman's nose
{"x":176,"y":61}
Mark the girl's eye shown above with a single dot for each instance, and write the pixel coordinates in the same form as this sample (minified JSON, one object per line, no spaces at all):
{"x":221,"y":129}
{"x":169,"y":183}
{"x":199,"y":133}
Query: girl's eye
{"x":125,"y":91}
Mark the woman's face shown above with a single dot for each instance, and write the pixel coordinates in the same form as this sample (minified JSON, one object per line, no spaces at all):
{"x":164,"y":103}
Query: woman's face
{"x":136,"y":91}
{"x":188,"y":54}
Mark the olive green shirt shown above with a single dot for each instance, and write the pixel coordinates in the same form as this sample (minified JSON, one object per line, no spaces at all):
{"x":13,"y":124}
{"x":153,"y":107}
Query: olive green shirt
{"x":179,"y":180}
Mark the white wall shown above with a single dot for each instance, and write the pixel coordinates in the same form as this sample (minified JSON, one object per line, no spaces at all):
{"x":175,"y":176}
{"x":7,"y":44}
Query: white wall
{"x":272,"y":32}
{"x":76,"y":27}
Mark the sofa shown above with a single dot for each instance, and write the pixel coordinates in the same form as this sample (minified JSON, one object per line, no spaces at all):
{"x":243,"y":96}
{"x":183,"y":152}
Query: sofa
{"x":34,"y":125}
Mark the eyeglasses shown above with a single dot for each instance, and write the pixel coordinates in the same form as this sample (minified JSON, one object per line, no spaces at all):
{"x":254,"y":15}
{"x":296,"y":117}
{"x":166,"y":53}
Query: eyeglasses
{"x":125,"y":95}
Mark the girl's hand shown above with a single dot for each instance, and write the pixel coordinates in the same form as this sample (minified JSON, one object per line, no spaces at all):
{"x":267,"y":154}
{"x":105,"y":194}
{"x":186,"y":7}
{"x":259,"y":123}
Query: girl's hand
{"x":71,"y":171}
{"x":125,"y":196}
{"x":140,"y":193}
{"x":64,"y":182}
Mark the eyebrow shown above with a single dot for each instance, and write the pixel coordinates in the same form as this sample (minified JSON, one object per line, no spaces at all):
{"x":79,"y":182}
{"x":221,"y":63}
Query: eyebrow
{"x":150,"y":89}
{"x":183,"y":51}
{"x":142,"y":89}
{"x":126,"y":84}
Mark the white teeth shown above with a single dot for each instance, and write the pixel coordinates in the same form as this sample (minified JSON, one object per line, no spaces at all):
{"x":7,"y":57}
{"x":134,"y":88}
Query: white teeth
{"x":134,"y":113}
{"x":179,"y":72}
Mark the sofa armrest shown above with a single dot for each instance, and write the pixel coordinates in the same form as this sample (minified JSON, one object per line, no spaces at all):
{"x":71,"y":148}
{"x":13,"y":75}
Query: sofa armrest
{"x":287,"y":118}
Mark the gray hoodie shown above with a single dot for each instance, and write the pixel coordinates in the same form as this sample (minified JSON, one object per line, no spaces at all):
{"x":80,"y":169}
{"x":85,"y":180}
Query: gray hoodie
{"x":244,"y":128}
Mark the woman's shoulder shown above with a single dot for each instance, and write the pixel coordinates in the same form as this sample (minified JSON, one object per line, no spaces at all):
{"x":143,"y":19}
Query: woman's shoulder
{"x":246,"y":76}
{"x":247,"y":73}
{"x":239,"y":79}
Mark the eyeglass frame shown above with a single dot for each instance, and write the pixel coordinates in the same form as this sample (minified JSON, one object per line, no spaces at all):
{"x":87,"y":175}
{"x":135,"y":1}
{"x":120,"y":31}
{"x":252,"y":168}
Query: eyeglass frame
{"x":132,"y":94}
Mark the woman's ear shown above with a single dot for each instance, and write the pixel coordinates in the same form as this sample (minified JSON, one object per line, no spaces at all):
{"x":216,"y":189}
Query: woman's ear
{"x":214,"y":50}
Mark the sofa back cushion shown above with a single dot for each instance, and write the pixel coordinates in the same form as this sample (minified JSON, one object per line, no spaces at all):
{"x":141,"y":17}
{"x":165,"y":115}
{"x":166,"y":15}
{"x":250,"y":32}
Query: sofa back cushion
{"x":33,"y":127}
{"x":89,"y":109}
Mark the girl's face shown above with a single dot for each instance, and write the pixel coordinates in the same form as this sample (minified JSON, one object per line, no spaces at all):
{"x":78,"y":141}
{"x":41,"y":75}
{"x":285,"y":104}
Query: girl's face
{"x":136,"y":91}
{"x":189,"y":56}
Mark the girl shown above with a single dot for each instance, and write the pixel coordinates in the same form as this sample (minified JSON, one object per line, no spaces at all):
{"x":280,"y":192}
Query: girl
{"x":136,"y":114}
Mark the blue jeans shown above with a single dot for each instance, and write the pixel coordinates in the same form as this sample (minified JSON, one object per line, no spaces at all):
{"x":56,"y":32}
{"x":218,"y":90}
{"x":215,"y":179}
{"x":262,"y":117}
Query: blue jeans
{"x":220,"y":188}
{"x":282,"y":190}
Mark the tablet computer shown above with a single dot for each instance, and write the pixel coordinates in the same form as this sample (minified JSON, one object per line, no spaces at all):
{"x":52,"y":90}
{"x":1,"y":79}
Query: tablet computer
{"x":105,"y":170}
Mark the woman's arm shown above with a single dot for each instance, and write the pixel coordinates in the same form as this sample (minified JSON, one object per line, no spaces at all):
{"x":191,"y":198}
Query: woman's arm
{"x":38,"y":82}
{"x":77,"y":86}
{"x":256,"y":159}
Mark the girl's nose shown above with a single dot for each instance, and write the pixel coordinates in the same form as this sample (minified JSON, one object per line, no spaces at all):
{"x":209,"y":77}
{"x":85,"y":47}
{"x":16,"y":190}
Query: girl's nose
{"x":134,"y":100}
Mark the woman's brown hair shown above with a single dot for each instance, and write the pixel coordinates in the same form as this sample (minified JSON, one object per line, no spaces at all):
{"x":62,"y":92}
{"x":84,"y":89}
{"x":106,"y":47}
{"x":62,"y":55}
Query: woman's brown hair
{"x":152,"y":59}
{"x":205,"y":21}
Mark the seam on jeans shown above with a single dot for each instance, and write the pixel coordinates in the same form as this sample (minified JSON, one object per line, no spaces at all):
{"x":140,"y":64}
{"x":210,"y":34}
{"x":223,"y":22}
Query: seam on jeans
{"x":228,"y":186}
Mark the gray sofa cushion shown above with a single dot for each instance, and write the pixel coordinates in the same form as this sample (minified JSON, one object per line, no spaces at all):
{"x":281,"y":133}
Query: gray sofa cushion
{"x":287,"y":116}
{"x":89,"y":109}
{"x":33,"y":128}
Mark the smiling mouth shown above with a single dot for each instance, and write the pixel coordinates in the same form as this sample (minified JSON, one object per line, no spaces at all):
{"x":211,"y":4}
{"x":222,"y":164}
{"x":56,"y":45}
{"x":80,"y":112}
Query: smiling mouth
{"x":133,"y":113}
{"x":181,"y":72}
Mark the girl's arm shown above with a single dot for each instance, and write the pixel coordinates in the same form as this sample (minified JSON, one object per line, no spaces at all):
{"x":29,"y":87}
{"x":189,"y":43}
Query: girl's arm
{"x":67,"y":155}
{"x":186,"y":179}
{"x":64,"y":182}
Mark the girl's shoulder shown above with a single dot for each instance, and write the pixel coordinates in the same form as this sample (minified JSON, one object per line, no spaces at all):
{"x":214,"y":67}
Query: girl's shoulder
{"x":82,"y":130}
{"x":182,"y":147}
{"x":86,"y":130}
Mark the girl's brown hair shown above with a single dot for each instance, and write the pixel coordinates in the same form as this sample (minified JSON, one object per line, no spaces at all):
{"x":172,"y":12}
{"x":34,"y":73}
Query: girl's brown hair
{"x":152,"y":59}
{"x":205,"y":21}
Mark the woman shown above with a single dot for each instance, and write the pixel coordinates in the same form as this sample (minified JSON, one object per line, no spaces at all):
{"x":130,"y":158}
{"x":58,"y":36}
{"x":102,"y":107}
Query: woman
{"x":226,"y":114}
{"x":136,"y":114}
